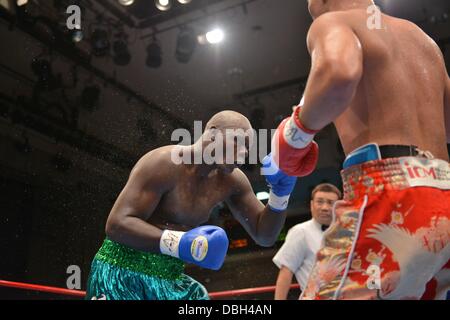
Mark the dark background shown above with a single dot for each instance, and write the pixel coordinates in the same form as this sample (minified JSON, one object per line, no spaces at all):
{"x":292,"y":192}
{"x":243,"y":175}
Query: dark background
{"x":75,"y":117}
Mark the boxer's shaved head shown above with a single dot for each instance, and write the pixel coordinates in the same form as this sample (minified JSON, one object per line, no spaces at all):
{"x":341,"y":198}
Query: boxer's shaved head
{"x":319,"y":7}
{"x":229,"y":120}
{"x":234,"y":131}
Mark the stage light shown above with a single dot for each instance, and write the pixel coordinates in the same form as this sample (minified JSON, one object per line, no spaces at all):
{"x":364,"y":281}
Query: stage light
{"x":215,"y":36}
{"x":163,"y":5}
{"x":121,"y":55}
{"x":126,"y":2}
{"x":186,"y":44}
{"x":262,"y":196}
{"x":21,"y":2}
{"x":100,"y":42}
{"x":77,"y":35}
{"x":154,"y":55}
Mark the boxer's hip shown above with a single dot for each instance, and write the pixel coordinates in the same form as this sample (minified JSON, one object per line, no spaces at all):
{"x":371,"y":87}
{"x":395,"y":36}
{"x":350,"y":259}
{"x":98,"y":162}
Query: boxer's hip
{"x":150,"y":264}
{"x":367,"y":172}
{"x":121,"y":273}
{"x":394,"y":219}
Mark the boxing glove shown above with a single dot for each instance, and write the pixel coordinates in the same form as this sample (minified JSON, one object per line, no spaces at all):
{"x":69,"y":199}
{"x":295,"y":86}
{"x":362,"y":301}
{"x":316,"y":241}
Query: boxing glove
{"x":293,"y":148}
{"x":205,"y":246}
{"x":281,"y":185}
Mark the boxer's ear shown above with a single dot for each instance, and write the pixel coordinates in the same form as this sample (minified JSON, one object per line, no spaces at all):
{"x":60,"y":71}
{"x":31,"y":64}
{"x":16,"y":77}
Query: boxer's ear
{"x":212,"y":131}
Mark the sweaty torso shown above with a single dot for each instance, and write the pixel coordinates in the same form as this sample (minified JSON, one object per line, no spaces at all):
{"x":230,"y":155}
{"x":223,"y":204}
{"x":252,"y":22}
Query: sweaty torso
{"x":192,"y":200}
{"x":400,"y":98}
{"x":187,"y":199}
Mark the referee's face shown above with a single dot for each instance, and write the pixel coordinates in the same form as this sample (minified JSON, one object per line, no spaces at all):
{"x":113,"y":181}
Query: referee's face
{"x":322,"y":205}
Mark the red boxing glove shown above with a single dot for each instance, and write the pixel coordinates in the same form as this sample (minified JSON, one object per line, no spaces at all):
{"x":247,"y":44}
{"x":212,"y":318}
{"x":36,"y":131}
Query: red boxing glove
{"x":295,"y":152}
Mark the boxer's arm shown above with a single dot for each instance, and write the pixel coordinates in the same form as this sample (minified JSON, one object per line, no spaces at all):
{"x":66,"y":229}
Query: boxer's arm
{"x":336,"y":69}
{"x":447,"y":108}
{"x":284,"y":282}
{"x":262,"y":224}
{"x":136,"y":203}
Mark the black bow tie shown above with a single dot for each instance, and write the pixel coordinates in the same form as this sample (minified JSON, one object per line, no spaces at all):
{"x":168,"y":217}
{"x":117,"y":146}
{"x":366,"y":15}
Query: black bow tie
{"x":324,"y":227}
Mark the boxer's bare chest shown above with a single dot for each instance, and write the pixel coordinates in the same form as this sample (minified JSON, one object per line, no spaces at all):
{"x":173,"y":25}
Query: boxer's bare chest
{"x":191,"y":201}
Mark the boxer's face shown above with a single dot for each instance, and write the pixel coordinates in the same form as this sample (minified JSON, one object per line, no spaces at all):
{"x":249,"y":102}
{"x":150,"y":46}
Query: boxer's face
{"x":236,"y":144}
{"x":322,"y":205}
{"x":236,"y":149}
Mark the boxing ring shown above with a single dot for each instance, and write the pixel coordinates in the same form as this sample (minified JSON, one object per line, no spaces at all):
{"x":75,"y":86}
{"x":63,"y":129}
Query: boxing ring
{"x":229,"y":294}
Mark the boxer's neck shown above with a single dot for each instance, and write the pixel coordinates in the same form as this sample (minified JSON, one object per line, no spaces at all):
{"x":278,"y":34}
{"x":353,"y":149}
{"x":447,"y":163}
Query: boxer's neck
{"x":201,"y":170}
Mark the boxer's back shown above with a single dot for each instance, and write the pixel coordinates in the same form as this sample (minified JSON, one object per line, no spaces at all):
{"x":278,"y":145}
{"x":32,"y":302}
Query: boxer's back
{"x":400,"y":99}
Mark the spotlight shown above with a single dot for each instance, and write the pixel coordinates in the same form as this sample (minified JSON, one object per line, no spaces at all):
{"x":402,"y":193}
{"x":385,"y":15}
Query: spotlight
{"x":21,"y":2}
{"x":186,"y":43}
{"x":76,"y":35}
{"x":126,"y":2}
{"x":163,"y":5}
{"x":211,"y":37}
{"x":184,"y":1}
{"x":154,"y":55}
{"x":122,"y":56}
{"x":262,"y":196}
{"x":100,"y":42}
{"x":215,"y":36}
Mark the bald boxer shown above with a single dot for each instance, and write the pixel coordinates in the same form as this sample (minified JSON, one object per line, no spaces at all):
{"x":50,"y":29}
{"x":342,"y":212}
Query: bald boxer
{"x":152,"y":229}
{"x":387,"y":91}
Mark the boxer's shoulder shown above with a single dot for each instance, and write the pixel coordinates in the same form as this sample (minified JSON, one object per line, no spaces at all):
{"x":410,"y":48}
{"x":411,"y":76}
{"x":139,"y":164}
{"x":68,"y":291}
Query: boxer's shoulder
{"x":158,"y":157}
{"x":327,"y":23}
{"x":156,"y":163}
{"x":328,"y":20}
{"x":355,"y":19}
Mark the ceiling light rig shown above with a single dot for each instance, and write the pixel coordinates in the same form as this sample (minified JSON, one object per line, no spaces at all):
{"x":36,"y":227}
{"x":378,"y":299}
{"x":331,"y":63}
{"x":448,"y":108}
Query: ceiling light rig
{"x":163,"y":5}
{"x":154,"y":54}
{"x":126,"y":2}
{"x":214,"y":36}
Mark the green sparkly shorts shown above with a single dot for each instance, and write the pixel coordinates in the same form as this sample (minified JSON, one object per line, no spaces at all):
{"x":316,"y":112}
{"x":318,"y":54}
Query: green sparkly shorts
{"x":121,"y":273}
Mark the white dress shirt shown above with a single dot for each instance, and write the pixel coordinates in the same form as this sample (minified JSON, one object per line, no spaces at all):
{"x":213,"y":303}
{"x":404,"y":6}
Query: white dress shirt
{"x":298,"y":252}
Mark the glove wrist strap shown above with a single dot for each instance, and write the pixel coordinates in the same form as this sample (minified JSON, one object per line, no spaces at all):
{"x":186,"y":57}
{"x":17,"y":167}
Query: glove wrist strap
{"x":295,"y":134}
{"x":170,"y":242}
{"x":278,"y":203}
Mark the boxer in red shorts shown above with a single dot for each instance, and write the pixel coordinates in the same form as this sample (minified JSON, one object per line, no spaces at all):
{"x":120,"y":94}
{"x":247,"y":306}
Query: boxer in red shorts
{"x":383,"y":83}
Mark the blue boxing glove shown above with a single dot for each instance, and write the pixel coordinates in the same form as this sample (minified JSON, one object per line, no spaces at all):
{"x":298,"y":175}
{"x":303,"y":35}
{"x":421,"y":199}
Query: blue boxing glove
{"x":281,"y":185}
{"x":205,"y":246}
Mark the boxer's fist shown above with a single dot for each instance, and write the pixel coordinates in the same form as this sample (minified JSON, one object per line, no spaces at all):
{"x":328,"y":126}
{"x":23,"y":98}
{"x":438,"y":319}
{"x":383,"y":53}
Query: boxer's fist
{"x":293,"y":148}
{"x":205,"y":246}
{"x":281,"y":185}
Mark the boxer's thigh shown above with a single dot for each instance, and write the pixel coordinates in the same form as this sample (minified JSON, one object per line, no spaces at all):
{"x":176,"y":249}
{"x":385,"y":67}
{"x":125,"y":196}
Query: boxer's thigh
{"x":403,"y":242}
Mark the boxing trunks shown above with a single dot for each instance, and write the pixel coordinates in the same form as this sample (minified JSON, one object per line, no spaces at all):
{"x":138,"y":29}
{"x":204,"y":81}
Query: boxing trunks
{"x":121,"y":273}
{"x":390,"y":235}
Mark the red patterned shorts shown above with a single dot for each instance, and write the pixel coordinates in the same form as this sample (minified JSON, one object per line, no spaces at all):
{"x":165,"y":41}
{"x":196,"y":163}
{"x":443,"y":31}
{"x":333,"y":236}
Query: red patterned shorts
{"x":390,"y":236}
